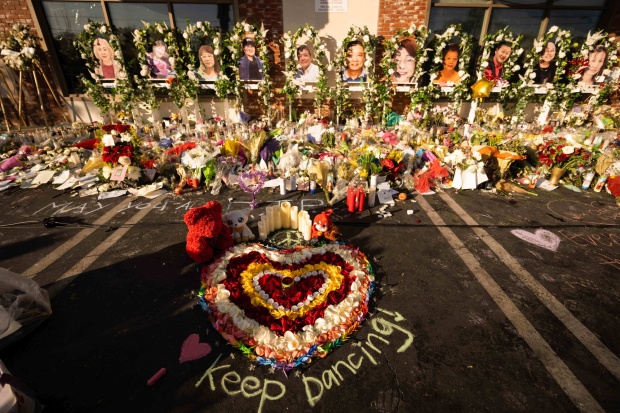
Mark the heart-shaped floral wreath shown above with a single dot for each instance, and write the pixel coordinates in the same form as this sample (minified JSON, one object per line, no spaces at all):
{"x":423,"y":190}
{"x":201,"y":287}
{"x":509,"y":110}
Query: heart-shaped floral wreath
{"x":283,"y":307}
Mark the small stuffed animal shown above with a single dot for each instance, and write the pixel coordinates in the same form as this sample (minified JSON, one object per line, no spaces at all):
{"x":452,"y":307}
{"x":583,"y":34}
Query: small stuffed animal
{"x":322,"y":226}
{"x":207,"y":234}
{"x":236,"y":221}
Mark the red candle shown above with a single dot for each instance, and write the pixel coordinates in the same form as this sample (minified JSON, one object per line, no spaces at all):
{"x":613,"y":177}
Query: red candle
{"x":361,"y":197}
{"x":351,"y":193}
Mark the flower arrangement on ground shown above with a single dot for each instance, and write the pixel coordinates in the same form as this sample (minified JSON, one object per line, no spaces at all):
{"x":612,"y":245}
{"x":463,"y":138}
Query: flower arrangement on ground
{"x":283,"y":308}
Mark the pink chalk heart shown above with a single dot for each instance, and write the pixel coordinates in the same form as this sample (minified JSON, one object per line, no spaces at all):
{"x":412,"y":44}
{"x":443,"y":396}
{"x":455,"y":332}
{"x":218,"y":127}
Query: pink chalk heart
{"x":541,"y":237}
{"x":193,"y":349}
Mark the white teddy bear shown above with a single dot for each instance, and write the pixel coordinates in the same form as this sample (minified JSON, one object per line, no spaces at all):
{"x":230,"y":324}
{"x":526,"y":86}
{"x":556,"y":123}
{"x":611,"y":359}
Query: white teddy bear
{"x":236,"y":221}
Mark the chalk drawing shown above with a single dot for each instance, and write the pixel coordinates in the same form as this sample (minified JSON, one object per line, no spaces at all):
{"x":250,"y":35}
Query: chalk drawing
{"x":590,"y":213}
{"x":193,"y":349}
{"x":541,"y":237}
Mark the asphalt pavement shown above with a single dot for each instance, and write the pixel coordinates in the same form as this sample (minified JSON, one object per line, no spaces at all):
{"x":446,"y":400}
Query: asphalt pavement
{"x":484,"y":303}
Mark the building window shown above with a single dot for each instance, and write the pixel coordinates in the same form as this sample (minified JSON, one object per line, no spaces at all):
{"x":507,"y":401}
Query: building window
{"x":66,"y":19}
{"x":528,"y":17}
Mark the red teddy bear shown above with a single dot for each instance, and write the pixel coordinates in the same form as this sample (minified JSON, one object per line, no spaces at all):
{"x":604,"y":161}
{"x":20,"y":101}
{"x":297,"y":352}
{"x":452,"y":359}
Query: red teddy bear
{"x":323,"y":226}
{"x":207,"y":233}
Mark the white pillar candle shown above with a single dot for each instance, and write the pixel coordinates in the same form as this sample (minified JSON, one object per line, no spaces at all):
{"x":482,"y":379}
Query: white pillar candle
{"x":285,"y":213}
{"x":269,"y":219}
{"x":262,"y":230}
{"x":294,"y":217}
{"x":301,"y":221}
{"x":307,"y":228}
{"x":282,"y":186}
{"x":277,"y":217}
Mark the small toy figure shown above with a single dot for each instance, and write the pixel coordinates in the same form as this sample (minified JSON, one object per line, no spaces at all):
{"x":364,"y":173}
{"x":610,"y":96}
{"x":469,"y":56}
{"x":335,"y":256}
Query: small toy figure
{"x":236,"y":221}
{"x":323,"y":226}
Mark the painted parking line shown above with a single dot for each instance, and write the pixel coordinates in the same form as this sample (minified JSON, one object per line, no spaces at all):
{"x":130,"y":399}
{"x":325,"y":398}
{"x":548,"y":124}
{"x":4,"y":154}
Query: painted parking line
{"x":50,"y":258}
{"x":605,"y":356}
{"x":565,"y":378}
{"x":87,"y":261}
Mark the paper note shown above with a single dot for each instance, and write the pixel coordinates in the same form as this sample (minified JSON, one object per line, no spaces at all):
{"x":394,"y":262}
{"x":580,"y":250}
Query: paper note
{"x":60,"y":179}
{"x":43,"y":177}
{"x":111,"y":194}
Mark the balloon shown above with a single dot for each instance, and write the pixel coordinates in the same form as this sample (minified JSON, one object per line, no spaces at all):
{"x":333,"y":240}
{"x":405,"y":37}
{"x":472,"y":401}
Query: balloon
{"x":482,"y":88}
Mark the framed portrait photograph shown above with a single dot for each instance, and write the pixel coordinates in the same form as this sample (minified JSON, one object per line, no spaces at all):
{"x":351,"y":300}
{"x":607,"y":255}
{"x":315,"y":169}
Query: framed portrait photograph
{"x":451,"y":60}
{"x":108,"y":66}
{"x":307,"y":69}
{"x":405,"y":58}
{"x":158,"y":61}
{"x":251,"y":67}
{"x":498,"y":61}
{"x":355,"y":58}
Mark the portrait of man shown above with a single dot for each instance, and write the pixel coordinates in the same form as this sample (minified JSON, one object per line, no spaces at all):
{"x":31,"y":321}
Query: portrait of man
{"x":159,"y":62}
{"x":449,"y":74}
{"x":250,"y":66}
{"x":108,"y":67}
{"x":545,"y":72}
{"x":495,"y":66}
{"x":404,"y":57}
{"x":209,"y":66}
{"x":597,"y":60}
{"x":306,"y":70}
{"x":355,"y":58}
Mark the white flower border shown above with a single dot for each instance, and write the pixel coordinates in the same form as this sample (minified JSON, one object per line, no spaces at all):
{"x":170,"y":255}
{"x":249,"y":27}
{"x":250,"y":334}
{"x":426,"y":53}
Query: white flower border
{"x":593,"y":40}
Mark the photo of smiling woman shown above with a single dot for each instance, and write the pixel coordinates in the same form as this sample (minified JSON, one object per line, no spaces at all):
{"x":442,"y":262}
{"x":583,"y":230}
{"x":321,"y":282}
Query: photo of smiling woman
{"x":597,"y":60}
{"x":545,"y":72}
{"x":450,"y":59}
{"x":404,"y":57}
{"x":209,"y":69}
{"x":108,"y":67}
{"x":495,"y":66}
{"x":355,"y":57}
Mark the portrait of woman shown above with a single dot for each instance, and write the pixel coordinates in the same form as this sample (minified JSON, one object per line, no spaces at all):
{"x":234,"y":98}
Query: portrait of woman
{"x":158,"y":61}
{"x":209,"y":68}
{"x":494,"y":69}
{"x":450,"y":59}
{"x":404,"y":57}
{"x":250,"y":66}
{"x":545,"y":72}
{"x":355,"y":58}
{"x":108,"y":67}
{"x":306,"y":70}
{"x":597,"y":60}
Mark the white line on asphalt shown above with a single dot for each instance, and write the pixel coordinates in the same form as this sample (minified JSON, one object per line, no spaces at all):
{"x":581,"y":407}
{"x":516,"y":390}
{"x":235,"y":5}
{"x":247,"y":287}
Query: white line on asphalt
{"x":85,"y":262}
{"x":573,"y":388}
{"x":50,"y":258}
{"x":605,"y":356}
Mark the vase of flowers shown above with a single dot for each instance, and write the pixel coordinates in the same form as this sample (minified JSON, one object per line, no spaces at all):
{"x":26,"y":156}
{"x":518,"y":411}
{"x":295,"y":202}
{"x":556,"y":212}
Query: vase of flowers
{"x":559,"y":156}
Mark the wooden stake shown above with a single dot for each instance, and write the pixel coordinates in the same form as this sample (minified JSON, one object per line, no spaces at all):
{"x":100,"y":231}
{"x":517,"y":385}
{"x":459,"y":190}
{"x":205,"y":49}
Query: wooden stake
{"x":6,"y":120}
{"x":19,"y":104}
{"x":11,"y":95}
{"x":52,"y":90}
{"x":36,"y":83}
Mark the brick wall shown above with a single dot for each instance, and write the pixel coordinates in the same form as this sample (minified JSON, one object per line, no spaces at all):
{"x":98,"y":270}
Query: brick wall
{"x":398,"y":14}
{"x":14,"y":12}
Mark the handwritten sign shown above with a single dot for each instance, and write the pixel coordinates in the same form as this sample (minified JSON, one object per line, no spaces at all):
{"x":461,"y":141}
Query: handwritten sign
{"x":331,"y":6}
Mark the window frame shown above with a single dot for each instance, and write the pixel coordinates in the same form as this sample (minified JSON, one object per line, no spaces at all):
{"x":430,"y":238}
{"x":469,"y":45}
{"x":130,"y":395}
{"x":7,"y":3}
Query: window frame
{"x":47,"y":43}
{"x":491,"y":5}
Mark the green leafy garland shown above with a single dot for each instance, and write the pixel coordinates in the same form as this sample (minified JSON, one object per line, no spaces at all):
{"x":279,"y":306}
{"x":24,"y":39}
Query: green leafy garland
{"x":264,"y":85}
{"x":510,"y":65}
{"x":419,"y":35}
{"x":104,"y":98}
{"x":188,"y":62}
{"x":19,"y":48}
{"x":143,"y":82}
{"x":341,"y":93}
{"x":292,"y":88}
{"x":461,"y":90}
{"x":607,"y":88}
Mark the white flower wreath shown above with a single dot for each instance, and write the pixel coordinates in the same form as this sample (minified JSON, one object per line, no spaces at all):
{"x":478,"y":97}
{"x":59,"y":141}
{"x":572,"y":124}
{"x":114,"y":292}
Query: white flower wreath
{"x":341,"y":93}
{"x":189,"y":62}
{"x":104,"y":97}
{"x":461,"y":90}
{"x":145,"y":88}
{"x":607,"y":84}
{"x":292,"y":88}
{"x":19,"y":47}
{"x":490,"y":42}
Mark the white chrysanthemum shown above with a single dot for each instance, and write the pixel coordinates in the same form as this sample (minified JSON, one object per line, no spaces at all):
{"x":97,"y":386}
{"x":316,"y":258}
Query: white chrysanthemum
{"x":553,"y":29}
{"x":568,"y":149}
{"x":391,"y":71}
{"x":106,"y":171}
{"x":484,"y":64}
{"x":185,"y":35}
{"x":87,"y":27}
{"x":366,"y":38}
{"x":143,"y":73}
{"x":124,"y":160}
{"x":103,"y":29}
{"x":561,"y":55}
{"x":133,"y":173}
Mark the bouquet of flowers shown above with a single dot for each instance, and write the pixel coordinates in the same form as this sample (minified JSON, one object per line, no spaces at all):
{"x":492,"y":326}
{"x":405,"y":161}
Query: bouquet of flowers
{"x":559,"y":153}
